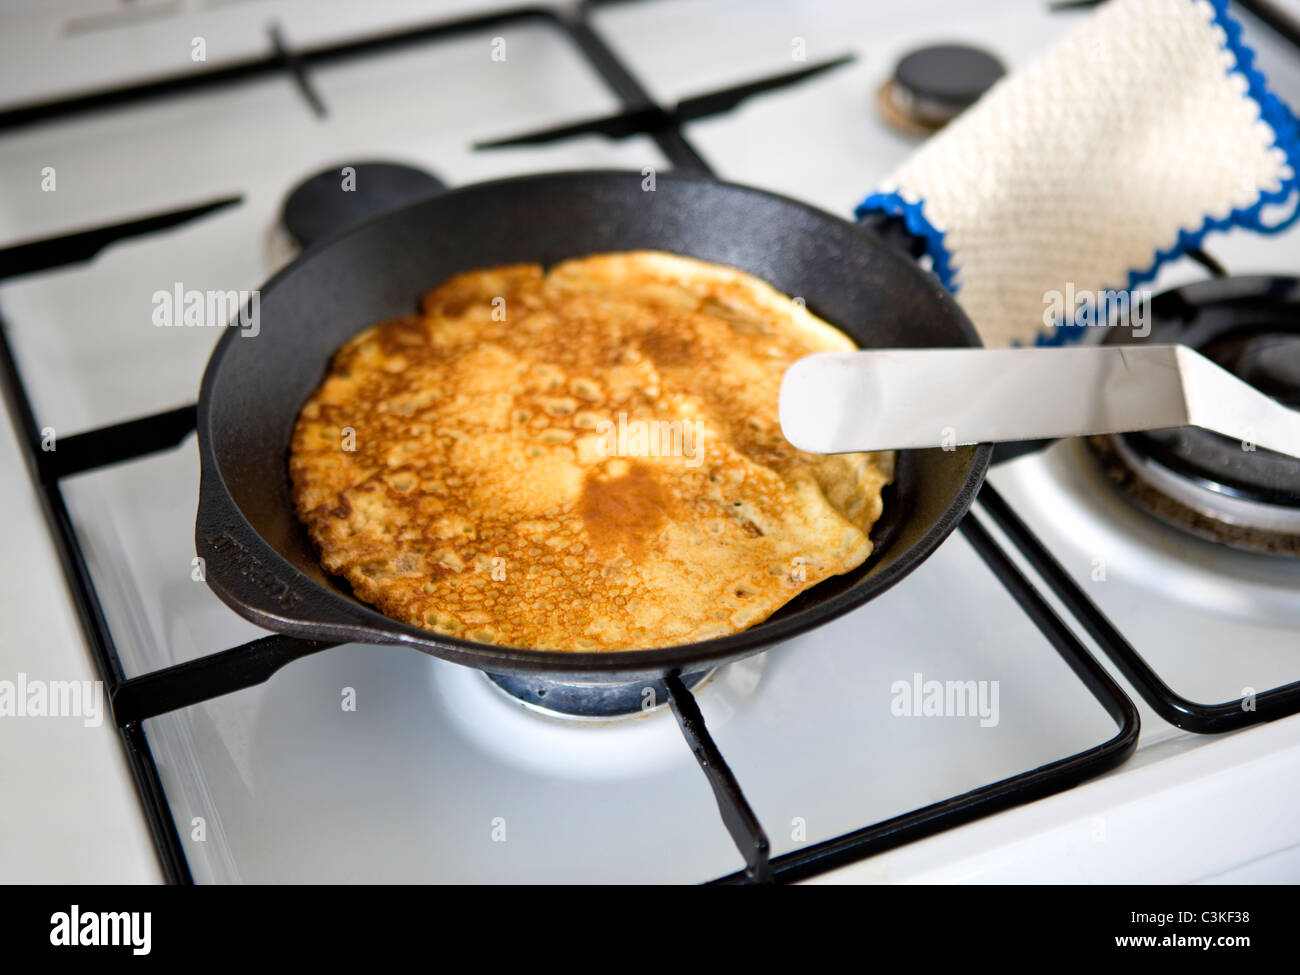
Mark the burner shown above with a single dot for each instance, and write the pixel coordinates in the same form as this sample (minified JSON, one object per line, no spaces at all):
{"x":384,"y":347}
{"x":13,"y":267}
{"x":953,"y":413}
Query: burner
{"x":932,"y":85}
{"x":595,"y":701}
{"x":333,"y":200}
{"x":1202,"y":482}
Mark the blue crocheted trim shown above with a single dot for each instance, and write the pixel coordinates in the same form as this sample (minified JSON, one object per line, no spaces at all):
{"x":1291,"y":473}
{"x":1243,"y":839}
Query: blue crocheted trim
{"x":1286,"y":136}
{"x":1274,"y":112}
{"x":918,"y":223}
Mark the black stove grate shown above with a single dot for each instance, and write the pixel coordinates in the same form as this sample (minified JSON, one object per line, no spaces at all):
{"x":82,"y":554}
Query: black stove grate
{"x":1179,"y":711}
{"x":133,"y":700}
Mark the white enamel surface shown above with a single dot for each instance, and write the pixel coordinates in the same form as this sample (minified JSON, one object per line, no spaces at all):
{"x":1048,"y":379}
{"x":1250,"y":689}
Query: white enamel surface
{"x":292,"y":787}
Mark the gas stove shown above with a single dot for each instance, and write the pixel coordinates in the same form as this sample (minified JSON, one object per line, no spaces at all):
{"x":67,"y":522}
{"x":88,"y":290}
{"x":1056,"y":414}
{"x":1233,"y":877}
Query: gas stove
{"x":1070,"y":688}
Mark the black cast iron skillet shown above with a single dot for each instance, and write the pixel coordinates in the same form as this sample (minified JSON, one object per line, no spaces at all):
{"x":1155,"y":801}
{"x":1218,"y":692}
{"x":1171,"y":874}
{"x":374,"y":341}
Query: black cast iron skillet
{"x":258,"y":558}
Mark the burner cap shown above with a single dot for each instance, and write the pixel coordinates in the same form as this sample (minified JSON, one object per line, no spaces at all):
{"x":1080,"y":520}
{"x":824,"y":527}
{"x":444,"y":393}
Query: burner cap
{"x":932,"y":85}
{"x":1190,"y":507}
{"x":1206,"y":483}
{"x":331,"y":201}
{"x":587,"y":701}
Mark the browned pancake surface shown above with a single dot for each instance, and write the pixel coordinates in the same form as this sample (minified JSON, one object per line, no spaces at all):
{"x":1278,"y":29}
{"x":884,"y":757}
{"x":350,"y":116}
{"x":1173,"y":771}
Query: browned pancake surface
{"x":588,"y":459}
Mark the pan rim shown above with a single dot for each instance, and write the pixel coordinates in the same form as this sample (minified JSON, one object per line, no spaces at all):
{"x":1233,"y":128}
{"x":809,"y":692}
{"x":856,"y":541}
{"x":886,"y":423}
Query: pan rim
{"x":363,"y":624}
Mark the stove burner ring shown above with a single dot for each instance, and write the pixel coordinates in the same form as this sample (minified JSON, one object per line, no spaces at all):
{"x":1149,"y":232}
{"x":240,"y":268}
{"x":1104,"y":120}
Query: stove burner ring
{"x":588,"y":701}
{"x":1194,"y":506}
{"x":1212,"y":486}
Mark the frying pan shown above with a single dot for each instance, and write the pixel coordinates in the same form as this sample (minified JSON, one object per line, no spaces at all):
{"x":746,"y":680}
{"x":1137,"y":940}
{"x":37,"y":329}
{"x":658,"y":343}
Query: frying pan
{"x":258,"y":557}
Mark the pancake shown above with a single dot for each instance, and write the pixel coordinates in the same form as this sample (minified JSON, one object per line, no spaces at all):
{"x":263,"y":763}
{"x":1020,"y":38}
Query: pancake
{"x":582,"y":460}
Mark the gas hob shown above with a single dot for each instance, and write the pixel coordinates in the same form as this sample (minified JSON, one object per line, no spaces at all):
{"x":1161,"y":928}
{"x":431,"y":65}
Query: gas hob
{"x":977,"y":722}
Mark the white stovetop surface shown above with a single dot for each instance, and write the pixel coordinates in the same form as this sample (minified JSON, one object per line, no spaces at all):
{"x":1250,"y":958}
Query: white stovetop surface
{"x":71,"y":815}
{"x":1185,"y":808}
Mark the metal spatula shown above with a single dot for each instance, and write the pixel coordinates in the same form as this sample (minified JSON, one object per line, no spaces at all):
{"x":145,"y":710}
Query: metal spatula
{"x":835,"y":402}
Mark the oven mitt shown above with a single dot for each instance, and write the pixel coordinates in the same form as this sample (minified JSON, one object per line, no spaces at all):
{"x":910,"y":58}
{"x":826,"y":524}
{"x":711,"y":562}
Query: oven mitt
{"x":1115,"y":151}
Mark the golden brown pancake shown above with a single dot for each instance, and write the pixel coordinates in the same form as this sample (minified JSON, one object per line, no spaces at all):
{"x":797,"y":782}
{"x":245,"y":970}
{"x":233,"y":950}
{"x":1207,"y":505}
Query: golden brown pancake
{"x":583,"y":460}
